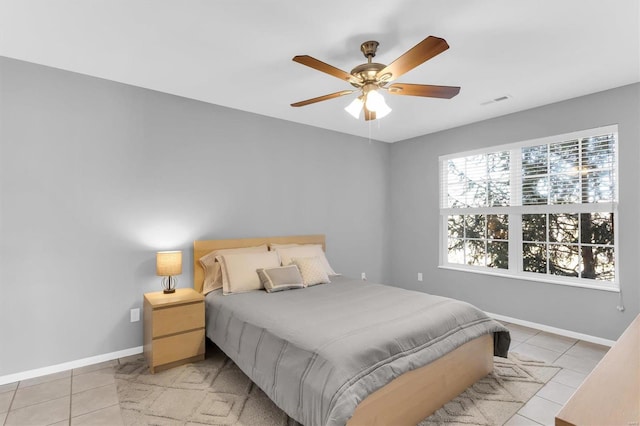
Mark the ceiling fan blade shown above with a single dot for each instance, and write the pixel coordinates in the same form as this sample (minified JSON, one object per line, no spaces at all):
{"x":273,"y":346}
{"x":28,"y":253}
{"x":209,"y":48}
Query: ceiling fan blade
{"x":322,"y":98}
{"x":444,"y":92}
{"x":421,"y":52}
{"x":326,"y":68}
{"x":368,"y":115}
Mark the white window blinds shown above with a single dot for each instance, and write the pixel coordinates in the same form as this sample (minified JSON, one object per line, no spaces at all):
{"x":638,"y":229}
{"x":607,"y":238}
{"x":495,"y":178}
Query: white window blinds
{"x":578,"y":168}
{"x":576,"y":171}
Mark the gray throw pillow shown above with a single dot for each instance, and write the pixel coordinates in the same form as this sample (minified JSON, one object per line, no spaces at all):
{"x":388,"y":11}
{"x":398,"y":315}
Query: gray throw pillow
{"x":281,"y":278}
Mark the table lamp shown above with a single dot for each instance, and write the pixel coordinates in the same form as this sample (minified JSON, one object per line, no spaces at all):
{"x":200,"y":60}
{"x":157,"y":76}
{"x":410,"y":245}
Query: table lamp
{"x":168,"y":264}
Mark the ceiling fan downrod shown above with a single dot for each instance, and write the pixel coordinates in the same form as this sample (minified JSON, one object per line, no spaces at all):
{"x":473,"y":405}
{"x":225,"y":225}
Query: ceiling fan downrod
{"x":369,"y":49}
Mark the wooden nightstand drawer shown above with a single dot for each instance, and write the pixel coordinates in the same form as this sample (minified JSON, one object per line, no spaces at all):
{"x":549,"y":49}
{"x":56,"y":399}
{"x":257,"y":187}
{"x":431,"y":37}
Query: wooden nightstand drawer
{"x":178,"y":347}
{"x":177,"y":319}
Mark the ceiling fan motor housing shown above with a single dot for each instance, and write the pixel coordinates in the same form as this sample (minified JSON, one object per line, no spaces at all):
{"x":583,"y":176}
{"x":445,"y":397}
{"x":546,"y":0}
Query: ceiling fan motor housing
{"x":367,"y":73}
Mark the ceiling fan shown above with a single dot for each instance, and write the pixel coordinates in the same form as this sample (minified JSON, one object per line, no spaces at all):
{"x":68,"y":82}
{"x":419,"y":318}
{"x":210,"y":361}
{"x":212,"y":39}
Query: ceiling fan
{"x":370,"y":78}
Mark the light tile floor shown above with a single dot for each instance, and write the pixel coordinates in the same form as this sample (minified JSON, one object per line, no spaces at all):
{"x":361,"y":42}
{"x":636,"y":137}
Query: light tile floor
{"x":88,"y":396}
{"x":83,"y":396}
{"x":576,"y":357}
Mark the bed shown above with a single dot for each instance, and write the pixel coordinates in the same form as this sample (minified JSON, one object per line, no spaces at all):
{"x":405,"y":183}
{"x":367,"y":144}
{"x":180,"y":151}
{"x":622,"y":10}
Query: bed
{"x":326,"y":360}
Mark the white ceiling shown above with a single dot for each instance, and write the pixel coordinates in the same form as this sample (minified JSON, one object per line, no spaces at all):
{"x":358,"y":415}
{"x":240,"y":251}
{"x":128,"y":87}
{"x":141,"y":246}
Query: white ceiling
{"x":237,"y":53}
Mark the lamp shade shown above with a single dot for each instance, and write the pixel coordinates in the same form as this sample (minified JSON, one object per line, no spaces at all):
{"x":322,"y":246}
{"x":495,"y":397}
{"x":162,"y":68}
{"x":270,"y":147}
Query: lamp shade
{"x":382,"y":110}
{"x":374,"y":100}
{"x":168,"y":263}
{"x":355,"y":107}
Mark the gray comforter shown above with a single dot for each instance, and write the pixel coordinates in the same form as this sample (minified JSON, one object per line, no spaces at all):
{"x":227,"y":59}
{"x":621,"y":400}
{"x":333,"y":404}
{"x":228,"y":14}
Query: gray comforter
{"x":317,"y":352}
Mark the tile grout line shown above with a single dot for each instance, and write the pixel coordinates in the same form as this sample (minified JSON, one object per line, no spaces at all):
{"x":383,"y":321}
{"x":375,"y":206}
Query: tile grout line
{"x":31,"y":405}
{"x":547,"y":399}
{"x":71,"y":417}
{"x":541,"y":397}
{"x":561,"y":353}
{"x":570,"y":347}
{"x":96,"y":410}
{"x":4,"y":422}
{"x":71,"y":395}
{"x":521,"y":415}
{"x":119,"y":406}
{"x":10,"y":404}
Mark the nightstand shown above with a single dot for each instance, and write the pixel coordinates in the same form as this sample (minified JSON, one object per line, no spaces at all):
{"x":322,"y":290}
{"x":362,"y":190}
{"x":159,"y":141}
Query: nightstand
{"x":173,"y":328}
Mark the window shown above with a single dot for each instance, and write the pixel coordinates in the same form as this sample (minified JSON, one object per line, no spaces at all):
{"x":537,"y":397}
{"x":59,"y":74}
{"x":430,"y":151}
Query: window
{"x":543,"y":209}
{"x":480,"y":240}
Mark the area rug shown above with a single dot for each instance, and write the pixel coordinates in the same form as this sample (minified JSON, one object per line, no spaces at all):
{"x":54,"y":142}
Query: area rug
{"x":216,"y":392}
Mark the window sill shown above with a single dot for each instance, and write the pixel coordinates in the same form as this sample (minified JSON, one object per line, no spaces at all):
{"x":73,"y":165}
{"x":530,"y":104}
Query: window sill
{"x":544,"y":279}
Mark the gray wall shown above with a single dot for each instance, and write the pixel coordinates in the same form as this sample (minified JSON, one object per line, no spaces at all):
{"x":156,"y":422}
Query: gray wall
{"x":415,"y":216}
{"x":97,"y":176}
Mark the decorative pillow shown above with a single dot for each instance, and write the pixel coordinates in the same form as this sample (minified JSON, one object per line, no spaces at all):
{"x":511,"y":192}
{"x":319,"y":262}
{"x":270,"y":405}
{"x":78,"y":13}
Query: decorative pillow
{"x":312,"y":270}
{"x":212,"y":275}
{"x":306,"y":250}
{"x":239,"y":270}
{"x":280,"y":278}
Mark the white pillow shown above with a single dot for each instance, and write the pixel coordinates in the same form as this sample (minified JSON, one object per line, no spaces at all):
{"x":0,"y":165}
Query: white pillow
{"x":305,"y":250}
{"x":212,"y":275}
{"x":312,"y":270}
{"x":239,"y":271}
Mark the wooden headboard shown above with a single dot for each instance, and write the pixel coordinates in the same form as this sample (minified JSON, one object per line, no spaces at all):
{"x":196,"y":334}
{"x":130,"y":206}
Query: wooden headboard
{"x":202,"y":247}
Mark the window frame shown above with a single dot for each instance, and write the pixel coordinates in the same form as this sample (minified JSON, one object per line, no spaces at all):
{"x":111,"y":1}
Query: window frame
{"x":515,"y":212}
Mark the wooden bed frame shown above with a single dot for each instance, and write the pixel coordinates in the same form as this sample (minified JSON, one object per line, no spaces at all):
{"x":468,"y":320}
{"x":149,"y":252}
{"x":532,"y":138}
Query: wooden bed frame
{"x":414,"y":395}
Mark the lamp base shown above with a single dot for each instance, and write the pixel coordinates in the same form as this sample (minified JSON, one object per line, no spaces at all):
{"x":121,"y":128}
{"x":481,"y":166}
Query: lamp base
{"x":169,"y":285}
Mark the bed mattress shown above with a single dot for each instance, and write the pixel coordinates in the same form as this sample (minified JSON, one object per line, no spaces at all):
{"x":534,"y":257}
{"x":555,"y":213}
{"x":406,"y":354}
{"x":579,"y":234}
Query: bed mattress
{"x":318,"y":352}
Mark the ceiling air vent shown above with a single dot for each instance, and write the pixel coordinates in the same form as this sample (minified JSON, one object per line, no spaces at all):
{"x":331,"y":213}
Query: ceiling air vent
{"x":499,"y":99}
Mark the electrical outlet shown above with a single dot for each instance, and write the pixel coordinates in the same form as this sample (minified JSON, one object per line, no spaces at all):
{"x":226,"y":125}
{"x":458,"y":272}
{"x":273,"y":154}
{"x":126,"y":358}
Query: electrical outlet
{"x":419,"y":276}
{"x":364,"y":276}
{"x":135,"y":315}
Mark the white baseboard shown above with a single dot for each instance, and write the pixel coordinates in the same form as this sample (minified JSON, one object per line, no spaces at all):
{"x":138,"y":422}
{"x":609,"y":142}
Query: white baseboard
{"x":554,"y":330}
{"x":16,"y":377}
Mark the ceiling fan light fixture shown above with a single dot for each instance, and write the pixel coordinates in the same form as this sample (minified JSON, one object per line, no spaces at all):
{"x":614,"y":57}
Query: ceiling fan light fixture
{"x":375,"y":102}
{"x":383,"y":110}
{"x":355,"y":107}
